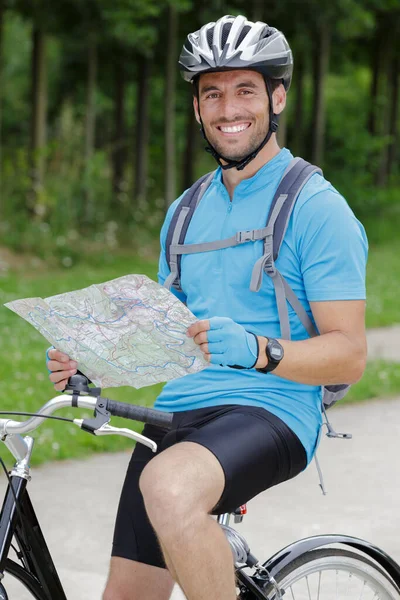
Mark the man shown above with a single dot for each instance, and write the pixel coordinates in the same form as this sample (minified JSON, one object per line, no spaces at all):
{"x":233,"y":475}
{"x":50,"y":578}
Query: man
{"x":238,"y":431}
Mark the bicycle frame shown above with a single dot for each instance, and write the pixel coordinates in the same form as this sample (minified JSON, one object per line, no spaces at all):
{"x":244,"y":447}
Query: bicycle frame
{"x":18,"y":520}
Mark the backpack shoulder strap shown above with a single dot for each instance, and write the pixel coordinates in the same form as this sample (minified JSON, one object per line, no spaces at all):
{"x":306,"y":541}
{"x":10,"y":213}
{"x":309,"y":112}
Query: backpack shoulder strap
{"x":294,"y":179}
{"x":179,"y":225}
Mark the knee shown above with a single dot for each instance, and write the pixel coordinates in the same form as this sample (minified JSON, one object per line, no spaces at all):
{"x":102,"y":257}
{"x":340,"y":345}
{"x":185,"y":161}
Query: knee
{"x":160,"y":489}
{"x":166,"y":497}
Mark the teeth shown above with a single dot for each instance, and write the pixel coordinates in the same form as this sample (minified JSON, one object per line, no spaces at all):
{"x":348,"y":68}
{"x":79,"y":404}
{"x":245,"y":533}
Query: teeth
{"x":234,"y":128}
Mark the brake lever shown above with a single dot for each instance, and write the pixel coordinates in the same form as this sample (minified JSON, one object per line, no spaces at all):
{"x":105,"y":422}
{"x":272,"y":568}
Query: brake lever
{"x":106,"y":429}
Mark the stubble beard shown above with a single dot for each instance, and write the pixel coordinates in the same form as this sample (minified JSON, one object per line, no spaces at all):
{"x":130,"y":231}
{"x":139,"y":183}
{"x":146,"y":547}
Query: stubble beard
{"x":232,"y":154}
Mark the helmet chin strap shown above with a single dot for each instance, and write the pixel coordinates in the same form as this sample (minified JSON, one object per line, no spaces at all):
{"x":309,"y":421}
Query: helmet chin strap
{"x":241,"y":164}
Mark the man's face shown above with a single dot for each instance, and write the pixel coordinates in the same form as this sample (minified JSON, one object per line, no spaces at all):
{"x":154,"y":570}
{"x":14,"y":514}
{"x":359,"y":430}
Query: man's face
{"x":234,"y":108}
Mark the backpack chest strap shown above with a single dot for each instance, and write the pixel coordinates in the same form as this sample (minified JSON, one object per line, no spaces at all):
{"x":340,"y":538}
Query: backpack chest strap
{"x":241,"y":237}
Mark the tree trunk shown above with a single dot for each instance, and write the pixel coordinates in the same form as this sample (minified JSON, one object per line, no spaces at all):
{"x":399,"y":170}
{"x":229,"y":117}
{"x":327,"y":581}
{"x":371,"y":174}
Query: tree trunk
{"x":298,"y":121}
{"x":170,"y":85}
{"x":119,"y":151}
{"x":1,"y":113}
{"x":376,"y":59}
{"x":142,"y":129}
{"x":90,"y":124}
{"x":385,"y":94}
{"x":393,"y":114}
{"x":190,"y":147}
{"x":321,"y":65}
{"x":256,"y":11}
{"x":39,"y":108}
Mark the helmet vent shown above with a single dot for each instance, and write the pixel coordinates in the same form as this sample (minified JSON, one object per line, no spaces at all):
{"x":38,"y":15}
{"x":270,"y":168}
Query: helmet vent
{"x":242,"y":35}
{"x":267,"y":32}
{"x":210,"y":35}
{"x":225,"y":33}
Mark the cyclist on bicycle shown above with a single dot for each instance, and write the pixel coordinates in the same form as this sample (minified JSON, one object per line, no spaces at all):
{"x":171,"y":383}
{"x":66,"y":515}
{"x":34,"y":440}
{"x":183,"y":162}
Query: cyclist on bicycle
{"x":240,"y":431}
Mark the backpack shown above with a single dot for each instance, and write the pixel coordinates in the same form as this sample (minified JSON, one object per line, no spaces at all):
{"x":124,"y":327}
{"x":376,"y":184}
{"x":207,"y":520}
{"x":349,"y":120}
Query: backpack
{"x":292,"y":182}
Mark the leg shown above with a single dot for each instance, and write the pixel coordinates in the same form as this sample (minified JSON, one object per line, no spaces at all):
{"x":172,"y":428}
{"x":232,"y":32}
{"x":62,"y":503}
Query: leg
{"x":131,"y":580}
{"x":180,"y":487}
{"x":137,"y":569}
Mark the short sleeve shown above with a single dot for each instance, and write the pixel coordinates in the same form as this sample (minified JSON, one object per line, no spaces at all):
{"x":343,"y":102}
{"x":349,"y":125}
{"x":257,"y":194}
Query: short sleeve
{"x":333,"y":248}
{"x":163,"y":267}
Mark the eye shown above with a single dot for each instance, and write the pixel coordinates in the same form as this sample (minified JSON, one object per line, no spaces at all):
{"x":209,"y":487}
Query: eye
{"x":213,"y":95}
{"x":245,"y":92}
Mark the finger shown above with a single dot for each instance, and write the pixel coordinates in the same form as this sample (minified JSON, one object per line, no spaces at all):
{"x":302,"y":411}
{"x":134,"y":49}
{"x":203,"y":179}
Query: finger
{"x":217,"y":347}
{"x":55,"y":354}
{"x":201,"y":338}
{"x":198,"y":327}
{"x":58,"y":376}
{"x":204,"y":348}
{"x":207,"y":357}
{"x":217,"y":359}
{"x":214,"y":335}
{"x":61,"y":385}
{"x":54,"y":365}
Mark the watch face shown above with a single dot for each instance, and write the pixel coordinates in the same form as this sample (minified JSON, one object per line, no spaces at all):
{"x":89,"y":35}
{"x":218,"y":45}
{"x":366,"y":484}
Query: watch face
{"x":276,"y":351}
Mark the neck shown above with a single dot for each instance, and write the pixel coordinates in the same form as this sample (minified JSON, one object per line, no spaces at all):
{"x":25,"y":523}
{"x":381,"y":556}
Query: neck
{"x":232,"y":177}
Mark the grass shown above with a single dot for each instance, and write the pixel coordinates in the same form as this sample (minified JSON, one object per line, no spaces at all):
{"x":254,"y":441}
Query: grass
{"x":24,"y":384}
{"x":383,"y":275}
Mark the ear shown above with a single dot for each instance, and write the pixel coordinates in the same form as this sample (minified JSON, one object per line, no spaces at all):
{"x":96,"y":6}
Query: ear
{"x":196,"y":109}
{"x":279,"y":99}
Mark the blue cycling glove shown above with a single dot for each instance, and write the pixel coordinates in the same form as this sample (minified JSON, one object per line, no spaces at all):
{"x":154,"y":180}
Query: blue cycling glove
{"x":230,"y":344}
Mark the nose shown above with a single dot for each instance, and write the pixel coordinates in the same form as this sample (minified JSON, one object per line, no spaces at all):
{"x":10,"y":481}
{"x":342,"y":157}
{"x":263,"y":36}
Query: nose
{"x":230,"y":107}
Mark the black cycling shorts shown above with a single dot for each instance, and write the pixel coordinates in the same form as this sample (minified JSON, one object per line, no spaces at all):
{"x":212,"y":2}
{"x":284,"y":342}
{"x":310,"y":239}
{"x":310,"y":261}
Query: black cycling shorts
{"x":254,"y":447}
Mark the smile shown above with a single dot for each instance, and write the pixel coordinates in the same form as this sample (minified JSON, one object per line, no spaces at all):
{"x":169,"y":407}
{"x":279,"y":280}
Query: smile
{"x":234,"y":129}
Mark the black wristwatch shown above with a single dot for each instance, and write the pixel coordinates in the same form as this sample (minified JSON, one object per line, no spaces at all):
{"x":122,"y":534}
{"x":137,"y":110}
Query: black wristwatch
{"x":275,"y":353}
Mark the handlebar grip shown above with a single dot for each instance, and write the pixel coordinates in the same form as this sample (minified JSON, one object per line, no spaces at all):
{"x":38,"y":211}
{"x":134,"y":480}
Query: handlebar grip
{"x":139,"y":413}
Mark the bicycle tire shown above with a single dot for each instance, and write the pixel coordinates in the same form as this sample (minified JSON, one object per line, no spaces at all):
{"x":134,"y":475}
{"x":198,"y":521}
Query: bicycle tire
{"x":347,"y":575}
{"x":24,"y":580}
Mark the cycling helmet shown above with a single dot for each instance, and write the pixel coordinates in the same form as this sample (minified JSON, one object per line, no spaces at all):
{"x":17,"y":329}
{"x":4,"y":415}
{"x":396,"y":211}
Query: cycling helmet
{"x":236,"y":43}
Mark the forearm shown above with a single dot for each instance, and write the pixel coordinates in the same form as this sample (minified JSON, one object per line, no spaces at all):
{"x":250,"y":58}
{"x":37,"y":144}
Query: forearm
{"x":330,"y":358}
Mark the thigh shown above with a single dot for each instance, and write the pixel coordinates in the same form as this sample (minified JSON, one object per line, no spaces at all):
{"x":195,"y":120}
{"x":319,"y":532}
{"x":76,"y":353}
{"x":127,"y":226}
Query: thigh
{"x":134,"y":537}
{"x":255,"y":449}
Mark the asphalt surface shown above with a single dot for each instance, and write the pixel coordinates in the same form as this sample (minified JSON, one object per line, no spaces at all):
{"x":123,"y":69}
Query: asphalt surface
{"x":76,"y":500}
{"x":384,"y":342}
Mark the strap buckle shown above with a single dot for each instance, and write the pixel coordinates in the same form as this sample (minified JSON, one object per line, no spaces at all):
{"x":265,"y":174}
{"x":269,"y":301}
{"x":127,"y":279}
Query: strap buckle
{"x":246,"y":236}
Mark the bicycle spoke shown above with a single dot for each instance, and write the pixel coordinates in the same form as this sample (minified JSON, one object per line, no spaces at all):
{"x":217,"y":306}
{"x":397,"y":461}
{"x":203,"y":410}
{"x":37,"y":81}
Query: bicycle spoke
{"x":308,"y":587}
{"x":319,"y":583}
{"x":346,"y":576}
{"x":337,"y":584}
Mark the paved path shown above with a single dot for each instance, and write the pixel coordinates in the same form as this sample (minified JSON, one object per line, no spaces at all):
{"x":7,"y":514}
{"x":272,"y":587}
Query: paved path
{"x":76,"y":501}
{"x":384,"y":342}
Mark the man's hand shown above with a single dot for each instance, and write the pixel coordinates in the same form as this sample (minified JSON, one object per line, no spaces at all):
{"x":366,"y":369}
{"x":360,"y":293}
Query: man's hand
{"x":60,"y":367}
{"x":224,"y":342}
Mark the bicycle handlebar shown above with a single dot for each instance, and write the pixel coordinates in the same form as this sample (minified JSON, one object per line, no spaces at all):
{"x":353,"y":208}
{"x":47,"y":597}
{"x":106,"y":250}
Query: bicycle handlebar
{"x":120,"y":409}
{"x":138,"y":413}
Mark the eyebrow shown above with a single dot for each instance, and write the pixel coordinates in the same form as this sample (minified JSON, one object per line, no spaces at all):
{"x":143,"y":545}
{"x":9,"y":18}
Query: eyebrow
{"x":213,"y":88}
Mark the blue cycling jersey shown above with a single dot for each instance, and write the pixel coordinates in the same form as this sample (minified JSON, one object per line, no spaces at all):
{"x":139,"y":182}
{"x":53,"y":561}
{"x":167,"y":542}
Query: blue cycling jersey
{"x":323,"y":257}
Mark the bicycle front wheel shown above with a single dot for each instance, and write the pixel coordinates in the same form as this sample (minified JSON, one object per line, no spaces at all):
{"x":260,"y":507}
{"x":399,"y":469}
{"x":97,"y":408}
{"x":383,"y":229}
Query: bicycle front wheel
{"x":18,"y":584}
{"x":330,"y":574}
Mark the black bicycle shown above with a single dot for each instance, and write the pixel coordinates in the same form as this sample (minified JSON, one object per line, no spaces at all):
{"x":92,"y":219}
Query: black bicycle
{"x":324,"y":567}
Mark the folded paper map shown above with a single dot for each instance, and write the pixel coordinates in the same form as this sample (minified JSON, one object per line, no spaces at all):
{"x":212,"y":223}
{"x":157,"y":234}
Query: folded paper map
{"x":127,"y":331}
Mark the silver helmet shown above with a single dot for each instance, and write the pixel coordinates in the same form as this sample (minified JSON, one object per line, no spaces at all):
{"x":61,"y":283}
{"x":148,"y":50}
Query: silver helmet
{"x":236,"y":43}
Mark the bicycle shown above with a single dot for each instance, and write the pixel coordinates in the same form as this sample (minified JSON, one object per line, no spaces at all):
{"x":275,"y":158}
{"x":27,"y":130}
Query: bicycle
{"x":308,"y":569}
